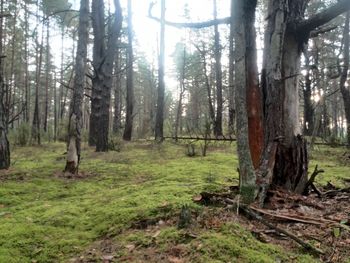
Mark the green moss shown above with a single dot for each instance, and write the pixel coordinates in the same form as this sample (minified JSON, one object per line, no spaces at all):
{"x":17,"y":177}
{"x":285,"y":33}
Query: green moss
{"x":44,"y":218}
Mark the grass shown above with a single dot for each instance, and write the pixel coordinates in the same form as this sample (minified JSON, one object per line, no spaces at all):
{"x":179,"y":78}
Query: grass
{"x":44,"y":218}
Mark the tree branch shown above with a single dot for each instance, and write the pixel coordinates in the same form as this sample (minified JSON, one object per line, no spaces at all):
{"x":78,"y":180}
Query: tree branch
{"x":219,"y":21}
{"x":323,"y":17}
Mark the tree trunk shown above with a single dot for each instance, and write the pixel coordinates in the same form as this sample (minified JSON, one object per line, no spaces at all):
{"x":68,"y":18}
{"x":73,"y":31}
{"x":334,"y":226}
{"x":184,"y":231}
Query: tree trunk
{"x":161,"y":85}
{"x":231,"y":87}
{"x":114,"y":29}
{"x":308,"y":108}
{"x":4,"y":143}
{"x":98,"y":26}
{"x":36,"y":115}
{"x":129,"y":79}
{"x":117,"y":95}
{"x":75,"y":115}
{"x":288,"y":160}
{"x":218,"y":77}
{"x":245,"y":82}
{"x":345,"y":91}
{"x":47,"y":74}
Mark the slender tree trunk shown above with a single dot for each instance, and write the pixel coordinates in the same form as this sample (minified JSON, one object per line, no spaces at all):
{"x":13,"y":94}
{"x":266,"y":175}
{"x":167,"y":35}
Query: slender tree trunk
{"x":36,"y":115}
{"x":117,"y":95}
{"x":308,"y":108}
{"x":75,"y":115}
{"x":218,"y":77}
{"x":47,"y":74}
{"x":129,"y":79}
{"x":27,"y":81}
{"x":4,"y":143}
{"x":345,"y":91}
{"x":181,"y":94}
{"x":161,"y":85}
{"x":231,"y":99}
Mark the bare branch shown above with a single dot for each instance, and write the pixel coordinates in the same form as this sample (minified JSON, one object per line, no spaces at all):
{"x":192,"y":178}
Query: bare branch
{"x":219,"y":21}
{"x":323,"y":17}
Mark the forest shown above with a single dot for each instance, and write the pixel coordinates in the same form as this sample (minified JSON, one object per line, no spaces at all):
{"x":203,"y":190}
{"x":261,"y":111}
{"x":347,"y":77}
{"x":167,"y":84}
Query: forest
{"x":174,"y":131}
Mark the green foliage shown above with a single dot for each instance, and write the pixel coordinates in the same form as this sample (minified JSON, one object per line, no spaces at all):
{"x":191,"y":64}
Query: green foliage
{"x":21,"y":135}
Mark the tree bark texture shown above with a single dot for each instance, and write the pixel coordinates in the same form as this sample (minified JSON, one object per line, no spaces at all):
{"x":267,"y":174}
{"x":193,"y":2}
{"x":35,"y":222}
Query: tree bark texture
{"x":345,"y":90}
{"x":244,"y":18}
{"x":75,"y":114}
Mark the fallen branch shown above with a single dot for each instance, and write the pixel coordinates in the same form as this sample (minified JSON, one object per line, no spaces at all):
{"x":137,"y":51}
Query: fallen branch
{"x":311,"y":181}
{"x":304,"y":244}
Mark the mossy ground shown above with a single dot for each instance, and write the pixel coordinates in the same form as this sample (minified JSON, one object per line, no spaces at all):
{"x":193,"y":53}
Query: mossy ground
{"x":45,"y":218}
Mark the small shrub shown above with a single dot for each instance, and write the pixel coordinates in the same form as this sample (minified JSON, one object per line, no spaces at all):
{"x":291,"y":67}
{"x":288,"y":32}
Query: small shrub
{"x":22,"y":134}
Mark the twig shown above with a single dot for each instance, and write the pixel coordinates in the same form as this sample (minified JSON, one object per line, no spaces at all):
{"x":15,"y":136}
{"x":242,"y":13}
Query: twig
{"x":304,"y":244}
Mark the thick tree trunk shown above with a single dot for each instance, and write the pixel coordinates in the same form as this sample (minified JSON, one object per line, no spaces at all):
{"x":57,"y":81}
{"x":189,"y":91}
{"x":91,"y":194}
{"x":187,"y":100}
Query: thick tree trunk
{"x":99,"y":49}
{"x":129,"y":79}
{"x":103,"y":64}
{"x":75,"y":115}
{"x":161,"y":85}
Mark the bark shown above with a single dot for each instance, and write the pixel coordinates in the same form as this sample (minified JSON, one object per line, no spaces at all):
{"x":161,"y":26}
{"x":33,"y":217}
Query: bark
{"x":4,"y":143}
{"x":47,"y":74}
{"x":129,"y":79}
{"x":99,"y":49}
{"x":103,"y":64}
{"x":107,"y":71}
{"x":246,"y":78}
{"x":117,"y":96}
{"x":231,"y":99}
{"x":218,"y":77}
{"x":285,"y":150}
{"x":36,"y":115}
{"x":75,"y":115}
{"x":345,"y":91}
{"x":308,"y":108}
{"x":26,"y":80}
{"x":161,"y":85}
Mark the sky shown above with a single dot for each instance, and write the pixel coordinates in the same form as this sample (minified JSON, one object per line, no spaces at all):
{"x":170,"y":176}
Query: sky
{"x":146,"y":30}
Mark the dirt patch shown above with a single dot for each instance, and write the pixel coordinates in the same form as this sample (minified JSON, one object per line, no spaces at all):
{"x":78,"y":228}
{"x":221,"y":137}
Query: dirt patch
{"x":80,"y":176}
{"x":104,"y":251}
{"x":12,"y":175}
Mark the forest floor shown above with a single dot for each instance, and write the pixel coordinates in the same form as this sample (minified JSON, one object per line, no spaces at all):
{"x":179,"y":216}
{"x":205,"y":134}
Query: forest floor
{"x":125,"y":207}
